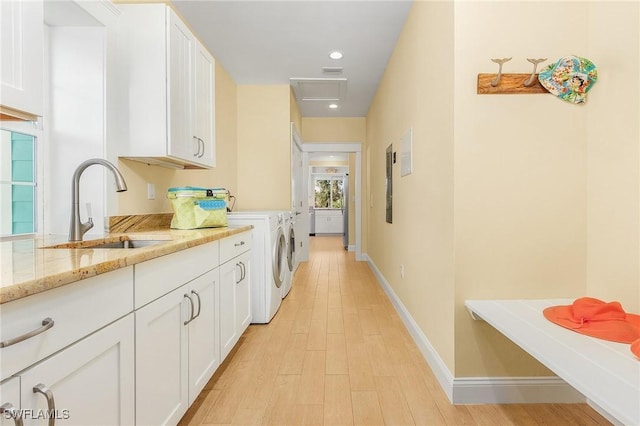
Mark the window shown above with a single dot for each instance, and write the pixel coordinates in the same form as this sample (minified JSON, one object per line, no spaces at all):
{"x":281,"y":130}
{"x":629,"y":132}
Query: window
{"x":329,"y":192}
{"x":17,"y":183}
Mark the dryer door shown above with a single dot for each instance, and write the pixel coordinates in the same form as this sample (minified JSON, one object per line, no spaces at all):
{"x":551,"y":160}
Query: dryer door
{"x":279,"y":256}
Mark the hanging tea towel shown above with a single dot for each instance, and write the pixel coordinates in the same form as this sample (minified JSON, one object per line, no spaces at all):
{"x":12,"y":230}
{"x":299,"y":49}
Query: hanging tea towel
{"x":570,"y":78}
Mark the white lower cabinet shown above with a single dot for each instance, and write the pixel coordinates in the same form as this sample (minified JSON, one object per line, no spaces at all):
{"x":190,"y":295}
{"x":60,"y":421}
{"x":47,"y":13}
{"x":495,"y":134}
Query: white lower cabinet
{"x":329,"y":221}
{"x":204,"y":343}
{"x":235,"y":301}
{"x":177,"y":350}
{"x":89,"y":383}
{"x":132,"y":346}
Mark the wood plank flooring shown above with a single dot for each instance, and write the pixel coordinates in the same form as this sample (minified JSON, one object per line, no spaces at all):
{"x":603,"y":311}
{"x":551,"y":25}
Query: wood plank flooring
{"x":336,"y":353}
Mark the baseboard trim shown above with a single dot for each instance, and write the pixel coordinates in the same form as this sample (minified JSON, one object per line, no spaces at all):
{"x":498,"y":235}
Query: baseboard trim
{"x":479,"y":390}
{"x":514,"y":390}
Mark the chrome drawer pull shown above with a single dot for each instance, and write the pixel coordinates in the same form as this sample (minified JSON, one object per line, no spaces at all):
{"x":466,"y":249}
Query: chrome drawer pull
{"x":199,"y":304}
{"x":241,"y":243}
{"x":192,"y":309}
{"x":41,"y":388}
{"x":47,"y":323}
{"x":12,"y":413}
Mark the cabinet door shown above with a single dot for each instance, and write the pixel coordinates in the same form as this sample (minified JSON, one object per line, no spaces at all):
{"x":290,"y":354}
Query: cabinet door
{"x":181,"y":45}
{"x":162,"y":359}
{"x":337,"y":224}
{"x":228,"y":325}
{"x":243,"y":292}
{"x":21,"y":38}
{"x":323,"y":224}
{"x":204,"y":106}
{"x":204,"y":343}
{"x":91,"y":382}
{"x":10,"y":400}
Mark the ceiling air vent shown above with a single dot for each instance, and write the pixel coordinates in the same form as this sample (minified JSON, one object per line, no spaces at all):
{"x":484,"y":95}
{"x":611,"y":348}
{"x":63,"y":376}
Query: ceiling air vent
{"x":332,"y":70}
{"x":319,"y":89}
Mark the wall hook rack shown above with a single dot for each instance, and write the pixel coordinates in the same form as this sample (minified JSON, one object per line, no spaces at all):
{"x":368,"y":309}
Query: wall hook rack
{"x":510,"y":83}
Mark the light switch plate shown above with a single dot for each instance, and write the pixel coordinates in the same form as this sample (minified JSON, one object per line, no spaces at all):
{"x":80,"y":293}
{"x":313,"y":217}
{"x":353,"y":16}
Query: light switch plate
{"x":151,"y":191}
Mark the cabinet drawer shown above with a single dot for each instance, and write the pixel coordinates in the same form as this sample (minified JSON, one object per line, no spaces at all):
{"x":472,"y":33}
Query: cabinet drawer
{"x":157,"y":277}
{"x":77,"y":310}
{"x":234,"y":245}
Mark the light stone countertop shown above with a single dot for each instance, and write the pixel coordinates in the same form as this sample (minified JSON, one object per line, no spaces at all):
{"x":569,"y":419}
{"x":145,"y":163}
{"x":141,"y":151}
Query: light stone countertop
{"x":27,"y":268}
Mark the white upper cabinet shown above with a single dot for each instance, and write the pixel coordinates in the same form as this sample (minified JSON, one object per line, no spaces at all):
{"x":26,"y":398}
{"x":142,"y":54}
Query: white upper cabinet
{"x":21,"y":38}
{"x":165,"y":89}
{"x":204,"y":105}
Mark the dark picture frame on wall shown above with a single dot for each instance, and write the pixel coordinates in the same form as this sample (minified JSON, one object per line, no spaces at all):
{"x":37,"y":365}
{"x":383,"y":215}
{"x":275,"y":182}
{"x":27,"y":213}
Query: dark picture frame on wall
{"x":389,"y":184}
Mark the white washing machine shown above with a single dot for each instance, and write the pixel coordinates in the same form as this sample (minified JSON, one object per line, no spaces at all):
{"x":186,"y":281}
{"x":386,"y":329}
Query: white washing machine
{"x":290,"y":235}
{"x":268,"y":261}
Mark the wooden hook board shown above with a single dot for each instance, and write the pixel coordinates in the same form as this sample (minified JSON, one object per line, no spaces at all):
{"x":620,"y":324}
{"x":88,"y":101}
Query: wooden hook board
{"x":510,"y":84}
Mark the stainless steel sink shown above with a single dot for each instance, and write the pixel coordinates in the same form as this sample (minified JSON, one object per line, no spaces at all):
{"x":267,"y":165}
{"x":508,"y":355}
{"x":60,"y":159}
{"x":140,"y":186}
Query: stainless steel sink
{"x":111,"y":243}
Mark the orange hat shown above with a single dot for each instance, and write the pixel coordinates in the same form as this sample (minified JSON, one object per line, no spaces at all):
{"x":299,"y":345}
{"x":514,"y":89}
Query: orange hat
{"x":596,"y":318}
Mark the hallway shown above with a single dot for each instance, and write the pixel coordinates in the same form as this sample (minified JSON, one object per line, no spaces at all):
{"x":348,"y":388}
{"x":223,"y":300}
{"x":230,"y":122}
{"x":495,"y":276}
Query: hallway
{"x":336,"y":353}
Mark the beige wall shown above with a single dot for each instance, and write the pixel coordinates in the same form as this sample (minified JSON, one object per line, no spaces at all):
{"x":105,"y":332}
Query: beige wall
{"x":520,"y":214}
{"x":528,"y":167}
{"x":334,"y":130}
{"x":417,"y":92}
{"x":264,"y":148}
{"x":295,"y":116}
{"x":538,"y":197}
{"x":137,"y":175}
{"x":612,"y":155}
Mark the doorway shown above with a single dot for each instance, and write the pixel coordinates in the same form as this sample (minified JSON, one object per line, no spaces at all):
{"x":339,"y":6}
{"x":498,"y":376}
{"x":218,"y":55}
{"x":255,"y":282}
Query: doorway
{"x":303,"y":205}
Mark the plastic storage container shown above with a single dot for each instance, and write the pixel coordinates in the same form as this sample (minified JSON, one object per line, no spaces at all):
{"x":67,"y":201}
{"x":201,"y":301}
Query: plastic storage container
{"x":195,"y":207}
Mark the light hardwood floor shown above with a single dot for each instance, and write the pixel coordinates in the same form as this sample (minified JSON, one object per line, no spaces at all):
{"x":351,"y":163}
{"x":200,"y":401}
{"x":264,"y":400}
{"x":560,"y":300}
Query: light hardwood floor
{"x":336,"y":353}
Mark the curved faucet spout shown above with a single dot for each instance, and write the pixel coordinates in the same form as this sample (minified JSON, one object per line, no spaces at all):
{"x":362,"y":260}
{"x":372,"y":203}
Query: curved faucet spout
{"x":77,"y":228}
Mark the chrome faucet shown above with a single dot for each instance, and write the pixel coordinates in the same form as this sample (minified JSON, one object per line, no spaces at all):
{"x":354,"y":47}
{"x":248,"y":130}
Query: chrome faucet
{"x":77,"y":228}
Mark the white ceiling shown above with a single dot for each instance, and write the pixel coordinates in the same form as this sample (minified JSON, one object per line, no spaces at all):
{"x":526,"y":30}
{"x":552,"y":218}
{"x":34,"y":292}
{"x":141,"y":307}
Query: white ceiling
{"x":269,"y":42}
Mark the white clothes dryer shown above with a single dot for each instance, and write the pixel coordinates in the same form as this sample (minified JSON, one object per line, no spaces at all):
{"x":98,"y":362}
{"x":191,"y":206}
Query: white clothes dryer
{"x":268,"y":261}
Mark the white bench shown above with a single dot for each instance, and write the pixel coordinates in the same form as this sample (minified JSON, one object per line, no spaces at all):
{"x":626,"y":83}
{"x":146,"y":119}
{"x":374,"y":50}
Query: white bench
{"x":606,"y":373}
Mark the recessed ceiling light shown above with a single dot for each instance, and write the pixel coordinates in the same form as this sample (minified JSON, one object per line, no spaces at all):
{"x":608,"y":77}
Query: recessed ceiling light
{"x":336,"y":54}
{"x":333,"y":106}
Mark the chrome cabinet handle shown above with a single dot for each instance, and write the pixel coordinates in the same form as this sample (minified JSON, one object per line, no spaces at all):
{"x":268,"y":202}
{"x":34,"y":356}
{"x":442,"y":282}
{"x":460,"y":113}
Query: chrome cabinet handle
{"x":241,"y":243}
{"x":243,"y":271}
{"x":47,"y":323}
{"x":44,"y":390}
{"x":203,"y":146}
{"x":12,"y":413}
{"x":199,"y":304}
{"x":192,"y":309}
{"x":195,"y":154}
{"x":239,"y":266}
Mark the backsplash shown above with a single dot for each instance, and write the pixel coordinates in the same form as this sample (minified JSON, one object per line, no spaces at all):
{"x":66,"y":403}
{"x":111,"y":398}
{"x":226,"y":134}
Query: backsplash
{"x":138,"y":223}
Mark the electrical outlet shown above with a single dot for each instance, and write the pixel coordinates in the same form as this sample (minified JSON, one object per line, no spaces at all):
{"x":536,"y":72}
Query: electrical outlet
{"x":402,"y":271}
{"x":151,"y":191}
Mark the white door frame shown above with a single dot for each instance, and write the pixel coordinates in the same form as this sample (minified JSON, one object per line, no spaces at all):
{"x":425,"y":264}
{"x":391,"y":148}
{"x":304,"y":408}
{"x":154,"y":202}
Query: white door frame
{"x":299,"y":199}
{"x":353,"y":147}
